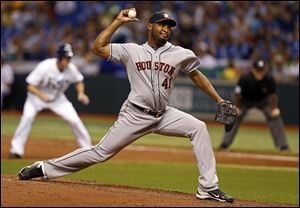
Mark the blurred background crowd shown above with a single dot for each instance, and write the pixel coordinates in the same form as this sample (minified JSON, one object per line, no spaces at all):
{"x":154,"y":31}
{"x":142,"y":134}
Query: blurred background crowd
{"x":225,"y":35}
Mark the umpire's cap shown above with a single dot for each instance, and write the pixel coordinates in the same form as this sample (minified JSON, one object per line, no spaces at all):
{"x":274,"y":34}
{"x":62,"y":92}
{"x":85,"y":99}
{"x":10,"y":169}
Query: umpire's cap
{"x":259,"y":64}
{"x":162,"y":17}
{"x":64,"y":50}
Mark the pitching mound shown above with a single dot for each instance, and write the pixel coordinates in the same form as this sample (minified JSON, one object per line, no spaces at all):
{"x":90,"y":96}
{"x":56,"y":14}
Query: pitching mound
{"x":61,"y":193}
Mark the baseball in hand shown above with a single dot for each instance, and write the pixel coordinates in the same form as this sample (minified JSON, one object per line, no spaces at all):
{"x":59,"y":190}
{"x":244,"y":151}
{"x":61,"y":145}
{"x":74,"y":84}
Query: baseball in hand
{"x":275,"y":112}
{"x":132,"y":13}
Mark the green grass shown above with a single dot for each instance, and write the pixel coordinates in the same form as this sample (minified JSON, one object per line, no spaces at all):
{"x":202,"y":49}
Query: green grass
{"x":247,"y":139}
{"x":276,"y":185}
{"x":263,"y":184}
{"x":53,"y":127}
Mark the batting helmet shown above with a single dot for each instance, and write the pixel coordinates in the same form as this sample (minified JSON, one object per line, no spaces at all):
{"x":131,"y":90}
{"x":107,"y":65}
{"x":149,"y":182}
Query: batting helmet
{"x":64,"y":50}
{"x":259,"y":64}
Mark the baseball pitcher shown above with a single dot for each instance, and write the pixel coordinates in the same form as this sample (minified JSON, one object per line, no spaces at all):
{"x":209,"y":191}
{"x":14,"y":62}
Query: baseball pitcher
{"x":46,"y":86}
{"x":152,"y":68}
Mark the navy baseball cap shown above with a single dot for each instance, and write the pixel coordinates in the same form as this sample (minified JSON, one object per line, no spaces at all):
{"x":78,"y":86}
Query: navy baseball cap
{"x":65,"y":50}
{"x":162,"y":17}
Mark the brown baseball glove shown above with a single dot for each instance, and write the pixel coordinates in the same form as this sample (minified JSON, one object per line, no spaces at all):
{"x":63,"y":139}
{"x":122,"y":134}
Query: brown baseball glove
{"x":226,"y":114}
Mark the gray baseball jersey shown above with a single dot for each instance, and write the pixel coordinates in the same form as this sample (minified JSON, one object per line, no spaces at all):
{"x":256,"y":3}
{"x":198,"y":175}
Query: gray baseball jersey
{"x":151,"y":74}
{"x":53,"y":83}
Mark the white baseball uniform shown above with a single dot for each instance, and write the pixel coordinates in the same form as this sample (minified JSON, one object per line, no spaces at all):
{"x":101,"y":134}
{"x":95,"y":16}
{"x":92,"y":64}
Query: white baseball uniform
{"x":151,"y":74}
{"x":53,"y":83}
{"x":7,"y":78}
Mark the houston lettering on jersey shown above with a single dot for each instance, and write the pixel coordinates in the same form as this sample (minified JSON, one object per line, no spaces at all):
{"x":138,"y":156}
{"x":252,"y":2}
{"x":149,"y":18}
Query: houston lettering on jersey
{"x":160,"y":66}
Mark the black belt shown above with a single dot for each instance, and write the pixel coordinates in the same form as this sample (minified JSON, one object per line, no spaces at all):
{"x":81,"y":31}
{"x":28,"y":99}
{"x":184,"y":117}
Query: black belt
{"x":156,"y":114}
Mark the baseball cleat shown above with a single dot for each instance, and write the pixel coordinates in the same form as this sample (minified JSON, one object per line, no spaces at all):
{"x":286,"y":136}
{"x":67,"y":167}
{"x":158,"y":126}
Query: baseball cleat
{"x":14,"y":156}
{"x":216,"y":195}
{"x":284,"y":148}
{"x":32,"y":171}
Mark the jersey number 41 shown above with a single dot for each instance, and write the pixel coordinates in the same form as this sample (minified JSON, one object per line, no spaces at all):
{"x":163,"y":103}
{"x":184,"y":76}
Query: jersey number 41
{"x":167,"y":83}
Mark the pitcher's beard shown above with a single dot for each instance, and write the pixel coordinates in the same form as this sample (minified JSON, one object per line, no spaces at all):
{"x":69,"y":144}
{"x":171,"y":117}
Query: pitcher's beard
{"x":161,"y":42}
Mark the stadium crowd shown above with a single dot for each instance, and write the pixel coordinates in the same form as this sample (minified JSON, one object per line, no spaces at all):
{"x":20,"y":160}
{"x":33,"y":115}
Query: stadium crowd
{"x":225,"y":35}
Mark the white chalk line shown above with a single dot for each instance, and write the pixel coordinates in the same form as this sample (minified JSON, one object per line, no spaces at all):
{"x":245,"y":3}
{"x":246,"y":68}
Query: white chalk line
{"x":140,"y":148}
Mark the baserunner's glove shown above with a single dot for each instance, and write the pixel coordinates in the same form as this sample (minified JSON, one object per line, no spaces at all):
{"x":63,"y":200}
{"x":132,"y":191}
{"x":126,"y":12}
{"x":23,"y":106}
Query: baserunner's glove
{"x":226,"y":114}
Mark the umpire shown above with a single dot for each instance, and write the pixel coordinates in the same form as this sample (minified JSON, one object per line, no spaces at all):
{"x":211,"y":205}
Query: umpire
{"x":258,"y":89}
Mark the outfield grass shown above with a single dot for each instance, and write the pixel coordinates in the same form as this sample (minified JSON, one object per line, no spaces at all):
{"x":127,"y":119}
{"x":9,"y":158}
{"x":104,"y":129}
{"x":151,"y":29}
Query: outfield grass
{"x":247,"y":139}
{"x":263,"y":184}
{"x":277,"y":185}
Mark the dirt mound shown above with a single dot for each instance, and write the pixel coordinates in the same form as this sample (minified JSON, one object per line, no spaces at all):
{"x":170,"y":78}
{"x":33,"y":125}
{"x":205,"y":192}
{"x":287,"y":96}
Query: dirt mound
{"x":60,"y":192}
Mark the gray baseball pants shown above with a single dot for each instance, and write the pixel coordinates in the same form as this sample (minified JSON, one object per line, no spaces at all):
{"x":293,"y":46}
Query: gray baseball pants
{"x":133,"y":124}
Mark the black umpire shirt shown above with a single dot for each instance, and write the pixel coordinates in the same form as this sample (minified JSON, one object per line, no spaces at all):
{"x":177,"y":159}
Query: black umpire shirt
{"x":256,"y":90}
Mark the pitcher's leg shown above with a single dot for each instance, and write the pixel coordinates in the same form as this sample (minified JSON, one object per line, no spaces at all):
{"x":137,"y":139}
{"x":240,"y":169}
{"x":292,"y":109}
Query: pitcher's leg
{"x":68,"y":163}
{"x":206,"y":161}
{"x":178,"y":123}
{"x":126,"y":129}
{"x":21,"y":134}
{"x":65,"y":109}
{"x":82,"y":158}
